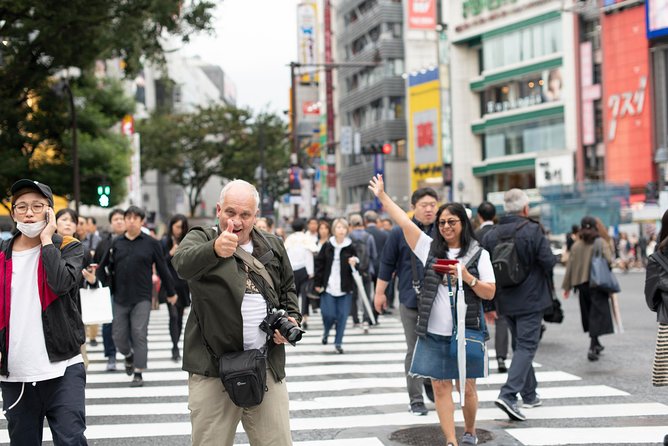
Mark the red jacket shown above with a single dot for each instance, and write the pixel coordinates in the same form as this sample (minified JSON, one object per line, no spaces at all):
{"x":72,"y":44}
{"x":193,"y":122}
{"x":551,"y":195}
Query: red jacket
{"x":58,"y":276}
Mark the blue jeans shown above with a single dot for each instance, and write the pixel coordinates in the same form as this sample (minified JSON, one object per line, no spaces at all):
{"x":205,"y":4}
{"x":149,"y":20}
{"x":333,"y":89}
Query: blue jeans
{"x":60,"y":400}
{"x":335,"y":309}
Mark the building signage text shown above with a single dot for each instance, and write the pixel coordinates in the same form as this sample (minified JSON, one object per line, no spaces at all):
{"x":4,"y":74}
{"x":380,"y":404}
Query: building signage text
{"x":629,"y":103}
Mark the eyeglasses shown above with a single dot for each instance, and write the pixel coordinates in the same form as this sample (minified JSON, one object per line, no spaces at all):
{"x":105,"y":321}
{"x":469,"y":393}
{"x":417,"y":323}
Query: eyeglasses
{"x":22,"y":208}
{"x":451,"y":222}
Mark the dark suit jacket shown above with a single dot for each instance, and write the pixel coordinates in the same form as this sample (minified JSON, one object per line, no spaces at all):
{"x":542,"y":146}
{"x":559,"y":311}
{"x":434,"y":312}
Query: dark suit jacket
{"x":380,"y":237}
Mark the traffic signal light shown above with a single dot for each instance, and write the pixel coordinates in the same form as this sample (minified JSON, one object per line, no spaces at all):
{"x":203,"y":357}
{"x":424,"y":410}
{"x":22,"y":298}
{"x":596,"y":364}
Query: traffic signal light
{"x":103,"y":195}
{"x":376,"y":148}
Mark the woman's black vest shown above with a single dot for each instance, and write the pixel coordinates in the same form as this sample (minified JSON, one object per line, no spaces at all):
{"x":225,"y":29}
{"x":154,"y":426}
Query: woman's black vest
{"x":433,"y":279}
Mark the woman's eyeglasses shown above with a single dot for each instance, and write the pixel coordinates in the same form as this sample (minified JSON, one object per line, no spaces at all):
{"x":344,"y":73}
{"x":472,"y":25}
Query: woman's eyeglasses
{"x":451,"y":222}
{"x":22,"y":208}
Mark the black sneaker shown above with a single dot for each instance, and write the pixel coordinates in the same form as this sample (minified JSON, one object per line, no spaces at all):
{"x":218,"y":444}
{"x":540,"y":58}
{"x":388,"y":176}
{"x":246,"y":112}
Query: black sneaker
{"x":93,"y":342}
{"x":502,"y":365}
{"x":129,"y":365}
{"x":418,"y":409}
{"x":176,"y":355}
{"x":592,"y":355}
{"x":137,"y":381}
{"x":510,"y":409}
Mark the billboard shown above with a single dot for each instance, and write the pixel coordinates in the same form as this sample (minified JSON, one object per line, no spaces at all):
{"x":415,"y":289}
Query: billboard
{"x":307,"y":49}
{"x":626,"y":106}
{"x":422,"y":14}
{"x":656,"y":17}
{"x":424,"y":129}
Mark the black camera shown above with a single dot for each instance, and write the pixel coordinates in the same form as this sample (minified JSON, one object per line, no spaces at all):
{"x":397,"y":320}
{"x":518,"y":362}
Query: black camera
{"x":278,"y":320}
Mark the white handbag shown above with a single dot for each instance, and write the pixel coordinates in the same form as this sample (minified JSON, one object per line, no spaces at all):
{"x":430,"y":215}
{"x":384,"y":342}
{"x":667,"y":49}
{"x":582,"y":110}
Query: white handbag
{"x":96,"y":305}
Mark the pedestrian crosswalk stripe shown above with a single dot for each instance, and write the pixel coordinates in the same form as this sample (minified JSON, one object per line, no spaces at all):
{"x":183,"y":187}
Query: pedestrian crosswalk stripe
{"x":547,"y":436}
{"x":323,"y":403}
{"x":371,"y":441}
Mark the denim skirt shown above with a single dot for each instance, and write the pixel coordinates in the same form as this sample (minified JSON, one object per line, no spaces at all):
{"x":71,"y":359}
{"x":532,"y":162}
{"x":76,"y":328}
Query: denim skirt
{"x":435,"y":358}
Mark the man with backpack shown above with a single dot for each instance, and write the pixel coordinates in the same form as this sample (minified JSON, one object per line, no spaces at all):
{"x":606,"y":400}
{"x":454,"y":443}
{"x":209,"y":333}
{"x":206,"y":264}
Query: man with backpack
{"x":365,"y":247}
{"x":522,"y":262}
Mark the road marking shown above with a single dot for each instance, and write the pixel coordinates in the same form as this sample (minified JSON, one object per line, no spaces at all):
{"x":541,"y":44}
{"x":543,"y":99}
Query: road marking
{"x":589,"y":435}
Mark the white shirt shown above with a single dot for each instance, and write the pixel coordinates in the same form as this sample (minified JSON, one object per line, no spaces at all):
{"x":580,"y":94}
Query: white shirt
{"x":28,"y":358}
{"x":440,"y":318}
{"x":334,"y":282}
{"x":253,"y":311}
{"x":300,"y":248}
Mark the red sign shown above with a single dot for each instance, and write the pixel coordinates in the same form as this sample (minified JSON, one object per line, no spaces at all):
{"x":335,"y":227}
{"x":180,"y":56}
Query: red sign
{"x":626,"y":105}
{"x":310,"y":108}
{"x":425,"y":134}
{"x":422,"y":14}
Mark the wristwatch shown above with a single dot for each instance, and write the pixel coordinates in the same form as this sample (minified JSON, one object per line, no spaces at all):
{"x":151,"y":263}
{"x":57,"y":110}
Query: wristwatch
{"x":474,"y":282}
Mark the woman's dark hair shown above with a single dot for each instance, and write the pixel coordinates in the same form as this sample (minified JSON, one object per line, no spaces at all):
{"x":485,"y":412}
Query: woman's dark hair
{"x":325,"y":223}
{"x":663,"y":234}
{"x":588,"y":230}
{"x":175,"y":219}
{"x":71,"y":212}
{"x":440,"y":246}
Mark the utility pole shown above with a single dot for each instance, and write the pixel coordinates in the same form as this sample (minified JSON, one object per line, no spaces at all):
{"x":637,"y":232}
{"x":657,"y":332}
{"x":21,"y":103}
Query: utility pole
{"x":75,"y":150}
{"x":329,"y":93}
{"x":293,"y":110}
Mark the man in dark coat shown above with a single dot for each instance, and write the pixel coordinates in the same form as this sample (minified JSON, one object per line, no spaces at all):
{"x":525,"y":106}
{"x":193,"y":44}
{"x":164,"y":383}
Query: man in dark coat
{"x":523,"y":304}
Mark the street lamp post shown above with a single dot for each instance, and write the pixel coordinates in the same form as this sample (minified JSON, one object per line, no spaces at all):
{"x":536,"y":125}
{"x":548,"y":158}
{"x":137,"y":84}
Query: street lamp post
{"x":75,"y":150}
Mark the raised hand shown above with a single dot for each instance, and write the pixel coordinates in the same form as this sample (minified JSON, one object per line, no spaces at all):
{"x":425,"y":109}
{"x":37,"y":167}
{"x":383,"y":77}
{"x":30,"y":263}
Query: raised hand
{"x":377,"y":186}
{"x":227,"y":242}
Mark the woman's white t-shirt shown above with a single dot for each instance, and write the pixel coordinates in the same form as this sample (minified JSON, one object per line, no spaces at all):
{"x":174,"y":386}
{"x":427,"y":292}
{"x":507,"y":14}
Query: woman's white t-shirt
{"x":440,"y":318}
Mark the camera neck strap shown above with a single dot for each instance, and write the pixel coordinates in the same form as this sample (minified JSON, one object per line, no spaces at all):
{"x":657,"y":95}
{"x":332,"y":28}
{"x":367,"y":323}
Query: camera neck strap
{"x":254,"y":264}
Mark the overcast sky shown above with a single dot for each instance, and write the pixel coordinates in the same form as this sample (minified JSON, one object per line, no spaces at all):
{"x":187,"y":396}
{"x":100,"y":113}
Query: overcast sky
{"x":254,"y":42}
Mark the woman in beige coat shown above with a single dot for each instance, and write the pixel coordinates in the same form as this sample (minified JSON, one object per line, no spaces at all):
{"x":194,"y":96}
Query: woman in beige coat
{"x":594,"y":303}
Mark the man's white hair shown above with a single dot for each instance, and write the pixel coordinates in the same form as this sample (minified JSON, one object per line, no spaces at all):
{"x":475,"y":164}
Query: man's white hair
{"x":243,"y":183}
{"x":515,"y":200}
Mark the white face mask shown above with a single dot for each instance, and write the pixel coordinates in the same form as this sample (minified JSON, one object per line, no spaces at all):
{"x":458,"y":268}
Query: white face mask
{"x":31,"y":230}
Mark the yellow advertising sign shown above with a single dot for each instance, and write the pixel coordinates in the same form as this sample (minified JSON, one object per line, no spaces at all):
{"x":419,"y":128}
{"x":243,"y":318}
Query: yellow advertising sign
{"x":424,"y":129}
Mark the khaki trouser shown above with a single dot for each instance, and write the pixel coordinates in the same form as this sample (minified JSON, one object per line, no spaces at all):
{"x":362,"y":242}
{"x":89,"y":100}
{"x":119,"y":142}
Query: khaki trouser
{"x":215,"y":417}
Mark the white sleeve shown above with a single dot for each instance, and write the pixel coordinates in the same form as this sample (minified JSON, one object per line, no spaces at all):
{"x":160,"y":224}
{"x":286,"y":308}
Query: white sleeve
{"x":422,"y":248}
{"x":485,"y":268}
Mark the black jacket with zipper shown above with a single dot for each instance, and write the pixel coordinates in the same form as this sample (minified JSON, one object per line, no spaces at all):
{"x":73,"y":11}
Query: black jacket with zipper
{"x":323,"y":267}
{"x":59,"y":278}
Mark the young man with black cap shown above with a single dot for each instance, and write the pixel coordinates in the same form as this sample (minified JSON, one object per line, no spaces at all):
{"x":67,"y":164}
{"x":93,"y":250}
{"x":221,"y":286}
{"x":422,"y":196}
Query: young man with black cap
{"x":41,"y":368}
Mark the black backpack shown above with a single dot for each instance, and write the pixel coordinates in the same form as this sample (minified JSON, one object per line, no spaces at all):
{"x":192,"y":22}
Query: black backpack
{"x":362,"y":253}
{"x":508,"y":269}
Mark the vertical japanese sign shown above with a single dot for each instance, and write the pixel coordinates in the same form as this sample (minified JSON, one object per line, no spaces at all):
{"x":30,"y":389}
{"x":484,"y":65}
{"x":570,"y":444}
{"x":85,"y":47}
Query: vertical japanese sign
{"x":307,"y":51}
{"x":422,"y":14}
{"x":626,"y":107}
{"x":590,"y":93}
{"x":424,"y":129}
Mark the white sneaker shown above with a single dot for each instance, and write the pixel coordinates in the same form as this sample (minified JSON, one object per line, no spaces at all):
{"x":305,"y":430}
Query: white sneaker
{"x":365,"y":326}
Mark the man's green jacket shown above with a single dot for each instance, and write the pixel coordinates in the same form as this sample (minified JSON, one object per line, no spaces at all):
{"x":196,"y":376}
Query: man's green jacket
{"x":217,"y":286}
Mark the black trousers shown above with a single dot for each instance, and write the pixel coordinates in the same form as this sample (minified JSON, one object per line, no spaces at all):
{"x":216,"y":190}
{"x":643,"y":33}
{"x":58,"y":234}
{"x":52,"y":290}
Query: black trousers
{"x":60,"y":400}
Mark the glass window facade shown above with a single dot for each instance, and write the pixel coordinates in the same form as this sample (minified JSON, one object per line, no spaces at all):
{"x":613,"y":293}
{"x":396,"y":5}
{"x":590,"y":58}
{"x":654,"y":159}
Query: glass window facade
{"x":522,"y":45}
{"x":529,"y":137}
{"x":530,"y":90}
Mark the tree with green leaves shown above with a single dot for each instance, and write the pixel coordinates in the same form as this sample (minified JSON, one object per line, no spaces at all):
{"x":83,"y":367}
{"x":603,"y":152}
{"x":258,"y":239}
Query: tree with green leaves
{"x":217,"y":140}
{"x":39,"y":39}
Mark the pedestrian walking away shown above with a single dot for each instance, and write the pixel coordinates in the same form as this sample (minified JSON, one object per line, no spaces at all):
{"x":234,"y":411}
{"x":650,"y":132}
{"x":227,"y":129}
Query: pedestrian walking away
{"x":594,"y":303}
{"x":229,"y":303}
{"x":176,"y":230}
{"x":333,"y":279}
{"x":524,"y":303}
{"x":41,"y":367}
{"x":301,"y":247}
{"x":397,"y":257}
{"x":433,"y":356}
{"x":128,"y":266}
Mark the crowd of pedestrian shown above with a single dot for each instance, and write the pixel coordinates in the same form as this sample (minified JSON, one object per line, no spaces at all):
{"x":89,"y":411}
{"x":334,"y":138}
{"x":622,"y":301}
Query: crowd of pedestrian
{"x":450,"y":273}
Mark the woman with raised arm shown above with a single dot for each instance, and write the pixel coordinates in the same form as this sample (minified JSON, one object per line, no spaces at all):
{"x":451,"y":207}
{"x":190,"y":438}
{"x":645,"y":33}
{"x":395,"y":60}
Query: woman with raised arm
{"x":433,"y":355}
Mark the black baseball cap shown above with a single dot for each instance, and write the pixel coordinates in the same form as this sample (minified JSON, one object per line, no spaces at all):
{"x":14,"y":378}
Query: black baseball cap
{"x":34,"y":185}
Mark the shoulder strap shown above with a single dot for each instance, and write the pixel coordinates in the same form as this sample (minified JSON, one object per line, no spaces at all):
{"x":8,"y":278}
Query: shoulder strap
{"x":416,"y":279}
{"x":475,"y":258}
{"x":254,"y":264}
{"x":660,"y":260}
